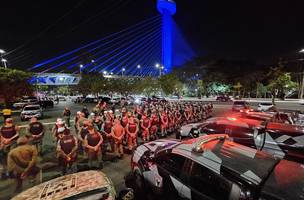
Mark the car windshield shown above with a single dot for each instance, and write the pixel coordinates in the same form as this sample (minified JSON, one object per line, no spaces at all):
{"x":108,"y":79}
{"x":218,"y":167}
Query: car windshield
{"x":265,"y":104}
{"x":32,"y":108}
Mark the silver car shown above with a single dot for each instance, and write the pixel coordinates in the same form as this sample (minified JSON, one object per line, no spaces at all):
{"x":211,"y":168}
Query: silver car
{"x":30,"y":111}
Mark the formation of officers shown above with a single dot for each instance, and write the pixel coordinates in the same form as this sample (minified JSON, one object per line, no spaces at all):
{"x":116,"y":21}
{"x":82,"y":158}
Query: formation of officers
{"x":103,"y":132}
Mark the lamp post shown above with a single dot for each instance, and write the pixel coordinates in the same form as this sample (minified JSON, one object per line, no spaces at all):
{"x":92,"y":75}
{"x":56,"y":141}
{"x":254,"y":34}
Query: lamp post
{"x":139,"y":68}
{"x":122,"y":71}
{"x":2,"y":59}
{"x":4,"y":62}
{"x":80,"y":68}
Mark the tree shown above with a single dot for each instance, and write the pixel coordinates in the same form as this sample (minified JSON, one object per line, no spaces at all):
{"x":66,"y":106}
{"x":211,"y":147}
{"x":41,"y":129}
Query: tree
{"x":281,"y":85}
{"x":148,"y":86}
{"x":92,"y":83}
{"x":14,"y":84}
{"x":170,"y":83}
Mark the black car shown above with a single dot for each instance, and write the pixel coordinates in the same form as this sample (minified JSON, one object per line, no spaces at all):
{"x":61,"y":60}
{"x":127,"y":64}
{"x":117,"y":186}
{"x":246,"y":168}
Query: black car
{"x":223,"y":99}
{"x":278,"y":139}
{"x":213,"y":167}
{"x":240,"y":106}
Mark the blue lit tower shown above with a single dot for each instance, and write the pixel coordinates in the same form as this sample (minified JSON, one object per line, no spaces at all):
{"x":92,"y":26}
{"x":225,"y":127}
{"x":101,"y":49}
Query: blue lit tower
{"x":167,"y":8}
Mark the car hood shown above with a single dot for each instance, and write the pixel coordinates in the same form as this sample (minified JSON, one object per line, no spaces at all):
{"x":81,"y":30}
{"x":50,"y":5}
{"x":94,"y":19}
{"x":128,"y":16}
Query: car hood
{"x":285,"y":182}
{"x":157,"y":145}
{"x":30,"y":111}
{"x":69,"y":186}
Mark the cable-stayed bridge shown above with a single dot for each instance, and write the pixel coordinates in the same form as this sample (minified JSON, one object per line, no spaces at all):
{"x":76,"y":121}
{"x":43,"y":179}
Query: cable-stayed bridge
{"x":148,"y":48}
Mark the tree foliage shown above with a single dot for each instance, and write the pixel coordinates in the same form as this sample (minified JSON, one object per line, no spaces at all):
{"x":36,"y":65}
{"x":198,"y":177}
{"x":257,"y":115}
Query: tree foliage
{"x":170,"y":84}
{"x":14,"y":84}
{"x":92,"y":83}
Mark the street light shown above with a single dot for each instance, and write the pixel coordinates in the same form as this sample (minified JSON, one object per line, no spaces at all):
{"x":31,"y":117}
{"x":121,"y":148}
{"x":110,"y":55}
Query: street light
{"x":139,"y":68}
{"x":4,"y":62}
{"x":92,"y":61}
{"x":301,"y":51}
{"x":2,"y":51}
{"x":105,"y":72}
{"x":80,"y":68}
{"x":122,"y":71}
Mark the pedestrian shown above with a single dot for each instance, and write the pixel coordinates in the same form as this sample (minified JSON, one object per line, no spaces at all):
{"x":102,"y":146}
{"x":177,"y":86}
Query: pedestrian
{"x":9,"y":134}
{"x":92,"y":143}
{"x":106,"y":132}
{"x":67,"y":151}
{"x":118,"y":133}
{"x":57,"y":100}
{"x":7,"y":113}
{"x":36,"y":132}
{"x":22,"y":162}
{"x":154,"y":125}
{"x":67,"y":116}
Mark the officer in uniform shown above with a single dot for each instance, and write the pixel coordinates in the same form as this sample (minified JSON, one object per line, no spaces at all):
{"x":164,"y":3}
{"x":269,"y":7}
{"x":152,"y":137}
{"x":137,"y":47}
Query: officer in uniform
{"x":132,"y":131}
{"x":92,"y":143}
{"x":67,"y":150}
{"x":118,"y":133}
{"x":9,"y":133}
{"x":59,"y":124}
{"x":145,"y":125}
{"x":106,"y":132}
{"x":36,"y":132}
{"x":22,"y":162}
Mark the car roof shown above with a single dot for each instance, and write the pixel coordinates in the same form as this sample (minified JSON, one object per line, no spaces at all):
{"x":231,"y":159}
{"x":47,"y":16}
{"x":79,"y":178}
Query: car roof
{"x":237,"y":121}
{"x":248,"y":164}
{"x":66,"y":186}
{"x":287,"y":128}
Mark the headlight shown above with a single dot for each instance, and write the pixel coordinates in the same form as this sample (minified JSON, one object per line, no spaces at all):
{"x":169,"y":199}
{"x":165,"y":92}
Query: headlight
{"x":137,"y":100}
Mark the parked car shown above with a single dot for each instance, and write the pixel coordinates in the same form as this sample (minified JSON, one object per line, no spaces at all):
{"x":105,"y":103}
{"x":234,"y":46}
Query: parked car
{"x":213,"y":167}
{"x":90,"y":100}
{"x":223,"y":98}
{"x":265,"y":106}
{"x":82,"y":185}
{"x":62,"y":98}
{"x":240,"y":106}
{"x":30,"y":111}
{"x":25,"y":101}
{"x":46,"y":103}
{"x":278,"y":139}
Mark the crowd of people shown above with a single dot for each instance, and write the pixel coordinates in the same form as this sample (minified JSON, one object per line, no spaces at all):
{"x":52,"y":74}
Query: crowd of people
{"x":102,"y":132}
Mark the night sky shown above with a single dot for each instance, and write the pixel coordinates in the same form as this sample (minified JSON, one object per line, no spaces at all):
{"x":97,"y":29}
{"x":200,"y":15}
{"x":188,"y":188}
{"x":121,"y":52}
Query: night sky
{"x":33,"y":31}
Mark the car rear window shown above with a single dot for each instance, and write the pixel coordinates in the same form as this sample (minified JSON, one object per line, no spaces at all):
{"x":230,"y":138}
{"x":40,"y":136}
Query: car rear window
{"x":265,"y":104}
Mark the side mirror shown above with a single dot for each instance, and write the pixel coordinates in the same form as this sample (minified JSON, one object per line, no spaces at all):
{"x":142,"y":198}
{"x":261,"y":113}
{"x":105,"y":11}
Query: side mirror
{"x":126,"y":194}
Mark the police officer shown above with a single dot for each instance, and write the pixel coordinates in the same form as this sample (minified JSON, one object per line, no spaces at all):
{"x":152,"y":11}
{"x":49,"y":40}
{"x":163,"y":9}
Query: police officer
{"x":22,"y":161}
{"x":59,"y":124}
{"x":66,"y":150}
{"x":36,"y":131}
{"x":132,"y":131}
{"x":118,"y":133}
{"x":92,"y":143}
{"x":145,"y":125}
{"x":106,"y":132}
{"x":67,"y":116}
{"x":9,"y":133}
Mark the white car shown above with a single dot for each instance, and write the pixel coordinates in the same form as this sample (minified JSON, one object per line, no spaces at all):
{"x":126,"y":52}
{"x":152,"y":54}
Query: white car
{"x":265,"y":106}
{"x":30,"y":111}
{"x":25,"y":102}
{"x":82,"y":185}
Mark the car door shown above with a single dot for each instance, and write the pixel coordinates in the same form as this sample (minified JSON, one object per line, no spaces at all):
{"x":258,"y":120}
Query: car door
{"x":206,"y":184}
{"x":171,"y":168}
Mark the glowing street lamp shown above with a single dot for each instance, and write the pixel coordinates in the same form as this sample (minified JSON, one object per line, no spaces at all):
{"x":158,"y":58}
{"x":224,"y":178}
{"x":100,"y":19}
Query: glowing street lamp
{"x":4,"y":62}
{"x":2,"y":51}
{"x":80,"y":68}
{"x":122,"y":71}
{"x":92,"y":61}
{"x":105,"y":72}
{"x":301,"y":51}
